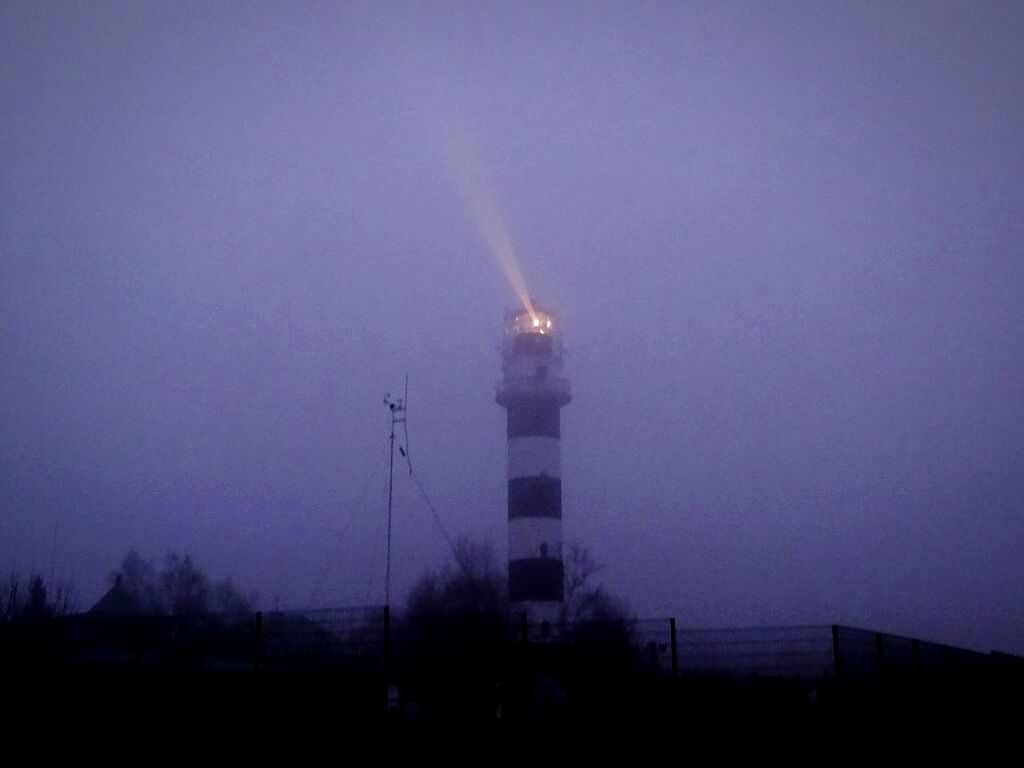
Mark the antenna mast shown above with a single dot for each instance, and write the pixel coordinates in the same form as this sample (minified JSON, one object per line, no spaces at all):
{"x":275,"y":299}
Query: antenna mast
{"x":397,"y":408}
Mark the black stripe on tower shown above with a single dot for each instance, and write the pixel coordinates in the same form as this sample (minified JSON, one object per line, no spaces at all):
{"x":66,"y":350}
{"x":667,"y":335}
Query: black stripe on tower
{"x":535,"y":579}
{"x":539,"y":496}
{"x":535,"y":343}
{"x":534,"y":418}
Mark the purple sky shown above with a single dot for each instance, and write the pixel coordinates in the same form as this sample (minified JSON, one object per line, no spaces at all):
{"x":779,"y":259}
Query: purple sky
{"x":785,"y":241}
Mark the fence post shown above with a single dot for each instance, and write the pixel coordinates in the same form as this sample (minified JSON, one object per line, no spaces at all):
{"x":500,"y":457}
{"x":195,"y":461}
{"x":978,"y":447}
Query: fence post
{"x":524,"y":628}
{"x":387,"y":657}
{"x":675,"y":649}
{"x":140,"y":639}
{"x":259,"y":641}
{"x":835,"y":650}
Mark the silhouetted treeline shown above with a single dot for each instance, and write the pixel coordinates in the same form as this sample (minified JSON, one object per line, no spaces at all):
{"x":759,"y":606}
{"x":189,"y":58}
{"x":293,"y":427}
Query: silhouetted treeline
{"x":34,"y":599}
{"x":177,"y":587}
{"x":461,"y":655}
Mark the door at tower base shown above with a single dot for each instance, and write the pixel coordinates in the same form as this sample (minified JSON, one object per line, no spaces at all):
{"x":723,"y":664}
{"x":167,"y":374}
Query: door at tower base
{"x":535,"y":579}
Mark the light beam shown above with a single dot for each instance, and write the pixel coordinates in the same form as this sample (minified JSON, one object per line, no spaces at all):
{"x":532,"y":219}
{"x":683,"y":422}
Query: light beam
{"x":467,"y":170}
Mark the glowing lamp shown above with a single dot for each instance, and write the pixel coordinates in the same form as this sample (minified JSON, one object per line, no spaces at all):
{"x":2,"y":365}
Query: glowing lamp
{"x":524,"y":321}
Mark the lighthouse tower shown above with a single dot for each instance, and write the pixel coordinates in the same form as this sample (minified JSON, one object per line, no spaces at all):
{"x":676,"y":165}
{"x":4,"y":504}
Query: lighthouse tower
{"x":533,"y":392}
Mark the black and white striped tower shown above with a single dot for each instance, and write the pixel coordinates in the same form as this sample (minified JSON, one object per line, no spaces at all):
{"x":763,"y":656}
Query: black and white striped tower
{"x":533,"y":391}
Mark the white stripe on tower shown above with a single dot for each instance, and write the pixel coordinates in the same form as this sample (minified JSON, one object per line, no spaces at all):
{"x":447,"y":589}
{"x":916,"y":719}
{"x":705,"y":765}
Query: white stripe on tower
{"x":534,"y":457}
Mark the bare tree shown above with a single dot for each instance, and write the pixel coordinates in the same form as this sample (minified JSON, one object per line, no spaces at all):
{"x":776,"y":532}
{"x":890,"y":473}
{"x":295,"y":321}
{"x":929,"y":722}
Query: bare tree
{"x":580,"y":570}
{"x":184,"y":588}
{"x":453,"y":633}
{"x":226,"y":598}
{"x":34,"y":600}
{"x":138,"y":577}
{"x":179,"y":588}
{"x":585,"y":599}
{"x":9,"y":609}
{"x":471,"y":582}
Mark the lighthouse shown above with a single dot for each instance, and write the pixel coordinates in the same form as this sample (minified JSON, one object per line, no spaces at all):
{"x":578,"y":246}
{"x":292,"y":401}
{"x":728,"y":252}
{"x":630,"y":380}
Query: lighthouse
{"x":533,"y":392}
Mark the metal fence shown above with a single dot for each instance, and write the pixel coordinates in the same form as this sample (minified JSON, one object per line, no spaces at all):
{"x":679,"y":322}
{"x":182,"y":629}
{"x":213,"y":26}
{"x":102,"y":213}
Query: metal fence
{"x":815,"y":652}
{"x":215,"y":641}
{"x":356,"y":632}
{"x":793,"y":652}
{"x":364,"y":635}
{"x":860,"y":653}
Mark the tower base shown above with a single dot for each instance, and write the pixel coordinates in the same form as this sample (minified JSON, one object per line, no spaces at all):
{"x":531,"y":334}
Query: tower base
{"x":539,"y":620}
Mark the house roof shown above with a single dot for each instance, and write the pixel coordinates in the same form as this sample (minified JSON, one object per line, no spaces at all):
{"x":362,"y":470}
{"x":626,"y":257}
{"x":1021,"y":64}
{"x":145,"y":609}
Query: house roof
{"x":118,"y":601}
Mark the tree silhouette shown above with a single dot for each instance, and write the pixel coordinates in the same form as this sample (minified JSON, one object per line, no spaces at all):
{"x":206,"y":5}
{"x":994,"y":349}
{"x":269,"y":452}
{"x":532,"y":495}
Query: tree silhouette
{"x":456,"y":645}
{"x":471,"y":583}
{"x":452,"y":637}
{"x":34,"y":600}
{"x":184,"y":587}
{"x":138,"y":577}
{"x":179,"y":588}
{"x":586,"y":600}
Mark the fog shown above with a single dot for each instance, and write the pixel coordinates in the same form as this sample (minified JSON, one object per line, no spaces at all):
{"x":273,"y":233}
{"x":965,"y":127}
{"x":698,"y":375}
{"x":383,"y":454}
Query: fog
{"x":783,"y":242}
